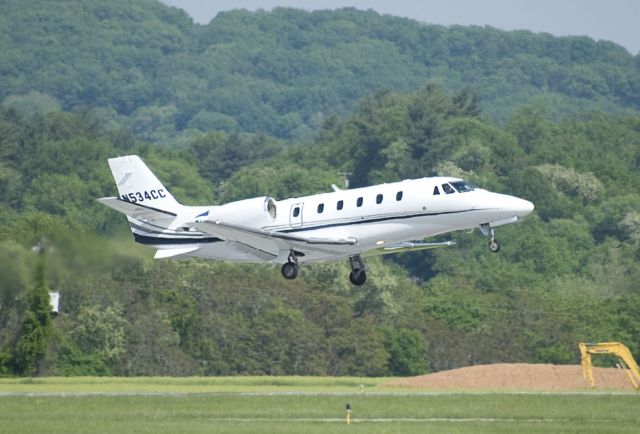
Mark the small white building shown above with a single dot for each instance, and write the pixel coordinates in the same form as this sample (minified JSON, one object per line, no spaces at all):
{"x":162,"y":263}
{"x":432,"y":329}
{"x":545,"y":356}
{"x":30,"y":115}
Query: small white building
{"x":54,"y":300}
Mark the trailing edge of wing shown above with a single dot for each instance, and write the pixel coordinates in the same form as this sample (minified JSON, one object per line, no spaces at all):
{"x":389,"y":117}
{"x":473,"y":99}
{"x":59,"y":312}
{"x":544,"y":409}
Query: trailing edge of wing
{"x":277,"y":244}
{"x":409,"y":246}
{"x":233,"y":232}
{"x":316,"y":241}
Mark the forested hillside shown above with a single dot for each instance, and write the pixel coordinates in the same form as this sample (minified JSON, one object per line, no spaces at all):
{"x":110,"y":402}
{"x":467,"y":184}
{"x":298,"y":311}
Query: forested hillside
{"x":568,"y":273}
{"x":149,"y":68}
{"x":250,"y":112}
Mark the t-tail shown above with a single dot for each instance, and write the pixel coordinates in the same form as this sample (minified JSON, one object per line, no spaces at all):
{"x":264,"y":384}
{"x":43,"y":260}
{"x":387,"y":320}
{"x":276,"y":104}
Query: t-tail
{"x":155,"y":216}
{"x":137,"y":184}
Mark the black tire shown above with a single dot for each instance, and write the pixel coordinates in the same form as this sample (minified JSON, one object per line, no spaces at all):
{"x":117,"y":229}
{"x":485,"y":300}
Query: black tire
{"x":494,"y":246}
{"x":358,"y":277}
{"x":289,"y":270}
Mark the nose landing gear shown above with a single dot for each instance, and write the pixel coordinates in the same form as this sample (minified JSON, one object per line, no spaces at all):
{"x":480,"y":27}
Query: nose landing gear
{"x":494,"y":247}
{"x":487,"y":231}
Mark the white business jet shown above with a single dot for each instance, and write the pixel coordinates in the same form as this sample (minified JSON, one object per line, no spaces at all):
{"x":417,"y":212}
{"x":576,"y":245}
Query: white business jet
{"x":350,"y":224}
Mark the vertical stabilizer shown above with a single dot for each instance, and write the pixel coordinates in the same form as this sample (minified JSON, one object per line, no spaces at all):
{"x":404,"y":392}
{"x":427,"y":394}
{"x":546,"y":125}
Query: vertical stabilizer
{"x":137,"y":184}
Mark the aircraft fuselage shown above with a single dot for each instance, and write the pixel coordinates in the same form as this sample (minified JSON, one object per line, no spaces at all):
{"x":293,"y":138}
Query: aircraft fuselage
{"x":381,"y":219}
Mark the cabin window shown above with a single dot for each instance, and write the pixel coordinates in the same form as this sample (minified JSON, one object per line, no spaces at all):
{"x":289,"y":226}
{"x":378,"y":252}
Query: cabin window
{"x":379,"y":199}
{"x":340,"y":205}
{"x":436,"y":191}
{"x":448,"y":189}
{"x":359,"y":202}
{"x":320,"y":208}
{"x":296,"y":211}
{"x":399,"y":196}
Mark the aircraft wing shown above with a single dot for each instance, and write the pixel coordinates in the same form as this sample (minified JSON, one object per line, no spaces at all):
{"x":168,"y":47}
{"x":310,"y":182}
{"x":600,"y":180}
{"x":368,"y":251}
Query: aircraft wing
{"x":407,"y":246}
{"x":277,"y":245}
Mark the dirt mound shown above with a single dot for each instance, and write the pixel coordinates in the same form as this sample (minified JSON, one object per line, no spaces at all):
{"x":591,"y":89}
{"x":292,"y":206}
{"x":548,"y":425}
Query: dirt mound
{"x":517,"y":376}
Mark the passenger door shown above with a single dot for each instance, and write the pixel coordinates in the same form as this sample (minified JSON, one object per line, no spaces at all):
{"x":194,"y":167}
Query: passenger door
{"x":295,"y":216}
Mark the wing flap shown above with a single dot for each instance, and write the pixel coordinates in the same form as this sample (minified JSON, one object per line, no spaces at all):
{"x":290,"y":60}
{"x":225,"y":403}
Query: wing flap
{"x":249,"y":237}
{"x":276,"y":244}
{"x":407,"y":246}
{"x":248,"y":251}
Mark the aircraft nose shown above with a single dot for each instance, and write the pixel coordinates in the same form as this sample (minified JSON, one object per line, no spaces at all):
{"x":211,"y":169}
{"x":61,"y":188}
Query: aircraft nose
{"x":521,"y":207}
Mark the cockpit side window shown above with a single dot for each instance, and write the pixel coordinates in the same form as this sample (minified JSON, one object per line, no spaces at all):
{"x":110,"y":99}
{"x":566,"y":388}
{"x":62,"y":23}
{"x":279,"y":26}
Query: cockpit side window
{"x":463,"y":186}
{"x":448,"y":189}
{"x":436,"y":191}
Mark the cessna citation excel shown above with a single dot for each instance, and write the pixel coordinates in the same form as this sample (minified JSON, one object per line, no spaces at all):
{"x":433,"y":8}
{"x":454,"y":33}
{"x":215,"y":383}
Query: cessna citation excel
{"x":349,"y":224}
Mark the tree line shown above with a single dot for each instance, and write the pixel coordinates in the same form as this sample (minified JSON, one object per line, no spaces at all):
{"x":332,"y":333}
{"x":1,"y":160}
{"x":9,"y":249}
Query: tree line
{"x":567,"y":273}
{"x":148,"y":68}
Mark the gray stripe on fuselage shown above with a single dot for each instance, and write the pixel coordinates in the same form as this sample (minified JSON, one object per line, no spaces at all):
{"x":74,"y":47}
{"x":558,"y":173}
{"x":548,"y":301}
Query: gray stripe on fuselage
{"x":175,"y":241}
{"x":360,"y":220}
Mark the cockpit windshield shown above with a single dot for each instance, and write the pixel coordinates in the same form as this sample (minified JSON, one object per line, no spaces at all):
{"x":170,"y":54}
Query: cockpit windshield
{"x":462,"y":186}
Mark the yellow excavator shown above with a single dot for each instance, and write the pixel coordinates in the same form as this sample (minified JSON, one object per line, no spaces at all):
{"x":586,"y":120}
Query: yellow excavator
{"x":617,"y":349}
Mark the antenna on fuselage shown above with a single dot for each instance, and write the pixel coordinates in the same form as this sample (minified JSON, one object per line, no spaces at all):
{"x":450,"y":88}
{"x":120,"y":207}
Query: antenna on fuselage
{"x":345,"y":178}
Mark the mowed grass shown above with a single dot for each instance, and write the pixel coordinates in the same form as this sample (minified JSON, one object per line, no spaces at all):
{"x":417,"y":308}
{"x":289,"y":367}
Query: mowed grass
{"x":296,"y":405}
{"x":188,"y":385}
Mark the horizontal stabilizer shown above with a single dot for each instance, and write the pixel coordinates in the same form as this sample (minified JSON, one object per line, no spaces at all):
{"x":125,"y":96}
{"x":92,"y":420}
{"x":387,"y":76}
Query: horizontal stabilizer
{"x":170,"y":253}
{"x":138,"y":211}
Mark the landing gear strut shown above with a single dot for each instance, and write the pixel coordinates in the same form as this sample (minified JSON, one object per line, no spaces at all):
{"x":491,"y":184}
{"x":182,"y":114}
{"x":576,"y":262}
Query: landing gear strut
{"x":358,"y":275}
{"x":487,"y":231}
{"x":290,"y":268}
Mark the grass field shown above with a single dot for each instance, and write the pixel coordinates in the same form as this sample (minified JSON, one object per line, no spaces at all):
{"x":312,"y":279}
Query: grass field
{"x":297,"y":405}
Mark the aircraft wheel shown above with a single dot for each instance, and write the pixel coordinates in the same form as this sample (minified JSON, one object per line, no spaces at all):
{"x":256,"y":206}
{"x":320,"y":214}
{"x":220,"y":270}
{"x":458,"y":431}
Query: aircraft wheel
{"x":290,"y":270}
{"x":494,"y":247}
{"x":358,"y":277}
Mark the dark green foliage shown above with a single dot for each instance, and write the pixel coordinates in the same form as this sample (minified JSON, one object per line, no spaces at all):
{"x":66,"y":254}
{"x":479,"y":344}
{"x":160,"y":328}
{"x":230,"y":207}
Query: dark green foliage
{"x":568,"y":273}
{"x":73,"y":362}
{"x":218,"y":155}
{"x":33,"y":339}
{"x":406,"y":350}
{"x":151,"y":69}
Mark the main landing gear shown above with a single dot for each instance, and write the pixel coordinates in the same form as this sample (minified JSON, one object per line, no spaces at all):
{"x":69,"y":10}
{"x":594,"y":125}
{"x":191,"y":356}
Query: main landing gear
{"x":358,"y":275}
{"x":487,"y":231}
{"x":290,"y":268}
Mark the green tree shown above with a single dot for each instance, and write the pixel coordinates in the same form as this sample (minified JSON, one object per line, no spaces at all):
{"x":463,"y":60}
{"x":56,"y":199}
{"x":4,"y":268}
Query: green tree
{"x":407,"y":351}
{"x":33,"y":342}
{"x":358,"y":350}
{"x":32,"y":103}
{"x":100,"y":332}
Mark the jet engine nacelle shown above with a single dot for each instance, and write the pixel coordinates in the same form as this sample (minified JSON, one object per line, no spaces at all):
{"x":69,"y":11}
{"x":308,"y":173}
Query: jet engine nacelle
{"x":258,"y":211}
